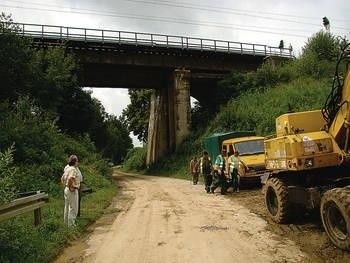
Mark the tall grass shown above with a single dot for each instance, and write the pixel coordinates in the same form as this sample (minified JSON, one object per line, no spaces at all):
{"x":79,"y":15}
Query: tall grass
{"x":21,"y":241}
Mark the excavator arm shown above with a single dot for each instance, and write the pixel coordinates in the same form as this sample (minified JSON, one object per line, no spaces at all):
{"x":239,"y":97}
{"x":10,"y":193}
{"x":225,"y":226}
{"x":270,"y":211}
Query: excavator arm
{"x":337,"y":108}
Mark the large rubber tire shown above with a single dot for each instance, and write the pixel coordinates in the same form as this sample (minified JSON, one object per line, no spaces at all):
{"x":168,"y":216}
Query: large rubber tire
{"x":276,"y":200}
{"x":335,"y":214}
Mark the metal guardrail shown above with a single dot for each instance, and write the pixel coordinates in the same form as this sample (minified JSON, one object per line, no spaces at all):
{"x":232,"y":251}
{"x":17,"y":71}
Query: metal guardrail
{"x":146,"y":39}
{"x":24,"y":205}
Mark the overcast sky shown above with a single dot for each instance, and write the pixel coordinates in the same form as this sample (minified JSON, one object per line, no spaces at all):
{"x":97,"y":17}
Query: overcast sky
{"x":252,"y":21}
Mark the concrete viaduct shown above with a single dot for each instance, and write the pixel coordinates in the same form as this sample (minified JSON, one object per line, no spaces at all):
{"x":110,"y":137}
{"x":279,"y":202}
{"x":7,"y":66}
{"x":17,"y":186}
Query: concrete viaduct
{"x":175,"y":67}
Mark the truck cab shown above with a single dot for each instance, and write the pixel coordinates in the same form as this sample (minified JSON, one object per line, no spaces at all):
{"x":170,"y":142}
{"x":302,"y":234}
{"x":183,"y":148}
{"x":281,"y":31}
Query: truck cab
{"x":251,"y":152}
{"x":250,"y":147}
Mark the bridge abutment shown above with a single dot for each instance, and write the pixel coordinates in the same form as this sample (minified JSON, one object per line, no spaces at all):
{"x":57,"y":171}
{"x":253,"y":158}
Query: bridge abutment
{"x":170,"y":116}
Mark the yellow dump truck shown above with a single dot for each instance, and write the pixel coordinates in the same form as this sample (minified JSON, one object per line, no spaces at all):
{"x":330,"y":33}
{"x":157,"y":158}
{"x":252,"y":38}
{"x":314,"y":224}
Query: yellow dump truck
{"x":309,"y":162}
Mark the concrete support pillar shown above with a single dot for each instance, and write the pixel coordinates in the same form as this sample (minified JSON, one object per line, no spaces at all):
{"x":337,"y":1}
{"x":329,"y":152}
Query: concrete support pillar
{"x":170,"y":116}
{"x":182,"y":106}
{"x":158,"y":145}
{"x":152,"y":127}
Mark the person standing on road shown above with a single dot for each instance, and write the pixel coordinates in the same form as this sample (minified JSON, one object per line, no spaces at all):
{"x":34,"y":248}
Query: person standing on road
{"x":219,"y":172}
{"x":79,"y":180}
{"x":234,"y":162}
{"x":69,"y":179}
{"x":194,"y":169}
{"x":206,"y":169}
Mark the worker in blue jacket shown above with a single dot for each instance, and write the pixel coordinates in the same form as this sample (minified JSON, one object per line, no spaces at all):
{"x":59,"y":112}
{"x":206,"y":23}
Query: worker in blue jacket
{"x":219,"y":173}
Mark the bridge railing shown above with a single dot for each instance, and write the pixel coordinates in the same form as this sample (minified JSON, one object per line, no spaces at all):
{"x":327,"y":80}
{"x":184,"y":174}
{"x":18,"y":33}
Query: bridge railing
{"x":147,"y":39}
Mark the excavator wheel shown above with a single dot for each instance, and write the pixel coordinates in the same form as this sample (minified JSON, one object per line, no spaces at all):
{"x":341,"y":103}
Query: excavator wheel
{"x":335,"y":214}
{"x":276,"y":200}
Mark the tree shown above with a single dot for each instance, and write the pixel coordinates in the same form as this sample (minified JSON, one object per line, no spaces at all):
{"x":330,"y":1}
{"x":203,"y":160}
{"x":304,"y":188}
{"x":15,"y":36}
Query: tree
{"x":119,"y":142}
{"x":136,"y":114}
{"x":16,"y":69}
{"x":324,"y":45}
{"x":49,"y":77}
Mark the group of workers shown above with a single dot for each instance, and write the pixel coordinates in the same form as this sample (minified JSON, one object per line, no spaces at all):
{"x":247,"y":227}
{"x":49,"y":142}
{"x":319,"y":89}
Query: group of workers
{"x":214,"y":174}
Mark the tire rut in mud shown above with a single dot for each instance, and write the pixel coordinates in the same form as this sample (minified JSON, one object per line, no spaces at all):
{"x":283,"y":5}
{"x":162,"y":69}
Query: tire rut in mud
{"x":306,"y":228}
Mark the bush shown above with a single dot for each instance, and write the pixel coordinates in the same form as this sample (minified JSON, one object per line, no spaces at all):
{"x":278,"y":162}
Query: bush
{"x":7,"y":172}
{"x":135,"y":159}
{"x":249,"y":113}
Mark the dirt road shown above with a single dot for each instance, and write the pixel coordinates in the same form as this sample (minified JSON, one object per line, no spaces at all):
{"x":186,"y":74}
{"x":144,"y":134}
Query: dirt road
{"x":157,"y":219}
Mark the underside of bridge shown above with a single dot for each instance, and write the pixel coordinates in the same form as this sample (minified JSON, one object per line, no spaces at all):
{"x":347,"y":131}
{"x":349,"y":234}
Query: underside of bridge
{"x":170,"y":114}
{"x":173,"y":77}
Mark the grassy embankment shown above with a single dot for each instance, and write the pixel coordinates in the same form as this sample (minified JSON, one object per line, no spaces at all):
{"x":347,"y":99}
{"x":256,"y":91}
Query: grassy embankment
{"x":35,"y":162}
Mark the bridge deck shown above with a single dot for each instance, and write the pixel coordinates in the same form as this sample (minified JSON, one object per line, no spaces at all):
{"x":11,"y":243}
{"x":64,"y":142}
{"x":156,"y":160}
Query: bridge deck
{"x":111,"y":37}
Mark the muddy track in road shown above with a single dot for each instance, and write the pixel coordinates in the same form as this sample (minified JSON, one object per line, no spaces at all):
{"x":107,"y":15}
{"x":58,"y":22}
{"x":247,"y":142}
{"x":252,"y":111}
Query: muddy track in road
{"x":306,"y":229}
{"x":156,"y":219}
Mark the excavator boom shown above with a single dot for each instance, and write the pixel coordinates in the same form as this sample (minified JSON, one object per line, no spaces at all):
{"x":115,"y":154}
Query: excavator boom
{"x":339,"y":125}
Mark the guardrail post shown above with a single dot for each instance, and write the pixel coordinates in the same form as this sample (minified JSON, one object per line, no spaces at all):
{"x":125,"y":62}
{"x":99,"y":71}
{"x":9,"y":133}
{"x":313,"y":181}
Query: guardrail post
{"x":25,"y":204}
{"x":119,"y":38}
{"x":67,"y":33}
{"x":201,"y":44}
{"x":241,"y":48}
{"x":42,"y":32}
{"x":182,"y":42}
{"x":253,"y":49}
{"x":60,"y":33}
{"x":215,"y":45}
{"x":85,"y":34}
{"x":228,"y":46}
{"x":152,"y":40}
{"x":22,"y":29}
{"x":37,"y":217}
{"x":136,"y":38}
{"x":187,"y":42}
{"x":167,"y":41}
{"x":265,"y":50}
{"x":103,"y":36}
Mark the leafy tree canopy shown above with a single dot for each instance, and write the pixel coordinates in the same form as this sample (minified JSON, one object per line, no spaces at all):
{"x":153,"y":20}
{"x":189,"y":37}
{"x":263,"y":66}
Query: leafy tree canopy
{"x":136,"y":114}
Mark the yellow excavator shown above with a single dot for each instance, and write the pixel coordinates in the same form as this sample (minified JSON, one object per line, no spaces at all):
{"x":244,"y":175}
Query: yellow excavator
{"x":308,"y":162}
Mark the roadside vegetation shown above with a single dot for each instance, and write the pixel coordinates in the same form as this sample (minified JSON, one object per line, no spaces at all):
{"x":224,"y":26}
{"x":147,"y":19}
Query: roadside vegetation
{"x":253,"y":100}
{"x":45,"y":116}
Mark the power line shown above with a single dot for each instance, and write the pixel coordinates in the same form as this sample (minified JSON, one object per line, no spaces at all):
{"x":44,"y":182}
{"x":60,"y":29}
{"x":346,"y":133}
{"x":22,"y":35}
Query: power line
{"x":159,"y":19}
{"x":233,"y":11}
{"x":207,"y":23}
{"x":160,"y":2}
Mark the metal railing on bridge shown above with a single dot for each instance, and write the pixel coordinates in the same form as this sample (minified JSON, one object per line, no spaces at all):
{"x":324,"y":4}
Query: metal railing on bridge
{"x":146,"y":39}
